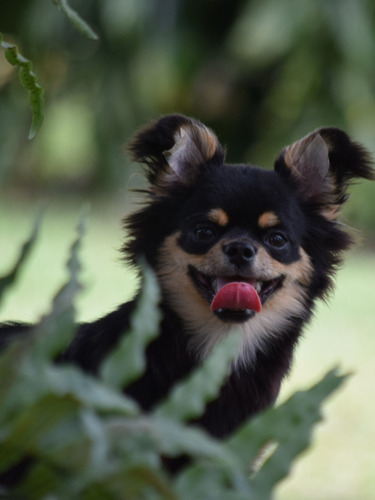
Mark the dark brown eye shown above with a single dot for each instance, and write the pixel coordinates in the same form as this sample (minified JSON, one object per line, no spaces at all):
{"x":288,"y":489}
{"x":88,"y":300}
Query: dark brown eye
{"x":204,"y":233}
{"x":277,"y":240}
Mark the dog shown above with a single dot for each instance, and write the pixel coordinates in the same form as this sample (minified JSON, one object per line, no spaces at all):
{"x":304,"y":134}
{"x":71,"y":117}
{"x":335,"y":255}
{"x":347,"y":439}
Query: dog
{"x":237,"y":250}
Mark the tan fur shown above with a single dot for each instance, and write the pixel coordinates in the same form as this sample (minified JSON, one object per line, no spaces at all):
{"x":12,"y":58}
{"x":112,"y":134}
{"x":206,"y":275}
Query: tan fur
{"x":331,"y":212}
{"x":208,"y":141}
{"x":268,"y":219}
{"x":294,"y":151}
{"x":194,"y":143}
{"x":162,"y":183}
{"x":194,"y":146}
{"x":299,"y":271}
{"x":295,"y":156}
{"x":218,"y":216}
{"x":205,"y":328}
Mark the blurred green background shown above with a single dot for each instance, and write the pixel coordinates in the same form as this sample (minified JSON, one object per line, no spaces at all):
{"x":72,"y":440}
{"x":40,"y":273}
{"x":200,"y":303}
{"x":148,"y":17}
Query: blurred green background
{"x":261,"y":73}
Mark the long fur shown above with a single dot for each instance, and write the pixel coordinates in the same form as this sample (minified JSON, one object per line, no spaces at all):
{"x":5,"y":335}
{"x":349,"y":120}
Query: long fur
{"x":197,"y":207}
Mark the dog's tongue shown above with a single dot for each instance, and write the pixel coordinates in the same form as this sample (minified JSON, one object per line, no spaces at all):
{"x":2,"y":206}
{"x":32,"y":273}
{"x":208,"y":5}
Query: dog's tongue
{"x":236,"y":296}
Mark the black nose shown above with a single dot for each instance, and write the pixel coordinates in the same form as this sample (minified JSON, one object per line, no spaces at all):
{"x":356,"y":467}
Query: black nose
{"x":239,"y":252}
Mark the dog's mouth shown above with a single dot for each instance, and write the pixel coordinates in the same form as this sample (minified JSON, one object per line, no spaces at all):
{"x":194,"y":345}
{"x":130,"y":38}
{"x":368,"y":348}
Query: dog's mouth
{"x":235,"y":298}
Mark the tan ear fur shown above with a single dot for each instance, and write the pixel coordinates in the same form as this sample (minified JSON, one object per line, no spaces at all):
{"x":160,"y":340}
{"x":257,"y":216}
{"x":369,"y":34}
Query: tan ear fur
{"x":322,"y":166}
{"x":195,"y":144}
{"x":308,"y":161}
{"x":174,"y":150}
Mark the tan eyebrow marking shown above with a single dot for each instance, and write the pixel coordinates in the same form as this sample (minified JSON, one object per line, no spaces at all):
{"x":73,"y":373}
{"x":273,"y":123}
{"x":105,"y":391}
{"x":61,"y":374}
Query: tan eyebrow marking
{"x":218,"y":216}
{"x":268,"y":219}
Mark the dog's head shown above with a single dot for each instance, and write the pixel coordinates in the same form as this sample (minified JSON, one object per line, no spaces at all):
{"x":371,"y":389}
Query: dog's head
{"x":236,"y":244}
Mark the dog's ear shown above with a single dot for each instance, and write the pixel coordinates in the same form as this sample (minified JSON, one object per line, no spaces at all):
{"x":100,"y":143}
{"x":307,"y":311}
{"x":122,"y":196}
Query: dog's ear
{"x":322,"y":165}
{"x":174,"y":149}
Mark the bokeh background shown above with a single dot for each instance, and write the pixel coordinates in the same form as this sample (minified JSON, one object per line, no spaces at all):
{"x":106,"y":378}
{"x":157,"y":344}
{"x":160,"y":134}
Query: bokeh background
{"x":261,"y":73}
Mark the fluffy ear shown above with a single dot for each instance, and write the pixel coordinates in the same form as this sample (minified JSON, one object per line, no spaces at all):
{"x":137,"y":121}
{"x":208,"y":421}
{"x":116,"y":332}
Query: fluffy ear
{"x":174,"y":149}
{"x":322,"y":165}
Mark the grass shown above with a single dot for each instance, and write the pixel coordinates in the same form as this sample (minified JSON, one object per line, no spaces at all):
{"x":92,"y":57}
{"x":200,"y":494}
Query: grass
{"x":341,"y":463}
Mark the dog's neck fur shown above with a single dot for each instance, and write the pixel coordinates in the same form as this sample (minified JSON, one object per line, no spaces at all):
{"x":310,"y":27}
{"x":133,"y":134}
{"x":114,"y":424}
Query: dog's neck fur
{"x":170,"y":358}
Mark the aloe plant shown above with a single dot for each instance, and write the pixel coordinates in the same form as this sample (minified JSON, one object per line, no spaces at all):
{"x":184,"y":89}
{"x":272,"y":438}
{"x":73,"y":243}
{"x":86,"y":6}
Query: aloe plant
{"x":85,"y":439}
{"x":29,"y":80}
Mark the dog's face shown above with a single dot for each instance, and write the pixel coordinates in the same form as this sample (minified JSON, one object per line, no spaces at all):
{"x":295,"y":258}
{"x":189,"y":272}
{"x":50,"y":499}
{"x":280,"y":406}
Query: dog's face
{"x":236,"y":247}
{"x":236,"y":256}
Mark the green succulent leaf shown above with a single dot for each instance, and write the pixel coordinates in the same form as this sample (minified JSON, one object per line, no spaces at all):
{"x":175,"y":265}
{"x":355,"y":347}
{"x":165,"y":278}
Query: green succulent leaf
{"x":282,"y":433}
{"x":80,"y":437}
{"x":57,"y":327}
{"x":29,"y":80}
{"x":10,"y":278}
{"x":128,"y":362}
{"x":188,"y":398}
{"x":76,"y":20}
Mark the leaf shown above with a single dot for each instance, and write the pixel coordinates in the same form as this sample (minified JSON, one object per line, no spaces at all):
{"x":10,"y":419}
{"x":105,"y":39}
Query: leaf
{"x":28,"y":427}
{"x":188,"y":398}
{"x":144,"y":327}
{"x":90,"y":392}
{"x":24,"y":360}
{"x":170,"y":438}
{"x":27,"y":382}
{"x":29,"y":81}
{"x":130,"y":483}
{"x":10,"y":361}
{"x":56,"y":329}
{"x":209,"y":482}
{"x":288,"y":428}
{"x":76,"y":20}
{"x":11,"y":277}
{"x":39,"y":483}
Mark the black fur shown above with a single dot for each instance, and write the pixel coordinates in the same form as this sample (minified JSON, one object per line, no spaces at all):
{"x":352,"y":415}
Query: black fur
{"x":188,"y":180}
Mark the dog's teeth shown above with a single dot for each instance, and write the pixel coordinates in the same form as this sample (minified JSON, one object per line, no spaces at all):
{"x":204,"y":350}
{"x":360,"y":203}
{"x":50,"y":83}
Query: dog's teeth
{"x":258,"y":286}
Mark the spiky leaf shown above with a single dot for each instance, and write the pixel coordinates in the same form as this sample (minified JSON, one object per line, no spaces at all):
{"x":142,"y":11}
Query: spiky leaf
{"x":11,"y":277}
{"x":287,"y":429}
{"x":57,"y":328}
{"x":128,"y":362}
{"x":76,"y":20}
{"x":29,"y":80}
{"x":188,"y":398}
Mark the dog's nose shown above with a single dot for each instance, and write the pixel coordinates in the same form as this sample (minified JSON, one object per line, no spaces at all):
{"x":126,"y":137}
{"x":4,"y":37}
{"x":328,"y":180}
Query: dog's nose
{"x":239,"y":252}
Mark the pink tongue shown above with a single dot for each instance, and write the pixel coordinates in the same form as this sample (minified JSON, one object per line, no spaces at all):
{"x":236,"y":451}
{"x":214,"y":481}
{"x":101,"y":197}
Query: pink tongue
{"x":237,"y":296}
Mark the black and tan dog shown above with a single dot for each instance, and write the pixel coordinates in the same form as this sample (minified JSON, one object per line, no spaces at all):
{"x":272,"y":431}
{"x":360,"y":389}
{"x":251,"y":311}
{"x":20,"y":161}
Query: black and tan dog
{"x":236,"y":250}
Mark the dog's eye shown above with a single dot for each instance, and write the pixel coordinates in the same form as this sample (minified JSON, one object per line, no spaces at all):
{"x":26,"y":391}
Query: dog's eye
{"x":277,"y":240}
{"x":204,"y":233}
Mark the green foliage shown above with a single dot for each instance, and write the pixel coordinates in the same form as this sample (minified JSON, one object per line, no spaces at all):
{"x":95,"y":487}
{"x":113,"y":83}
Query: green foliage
{"x":76,"y":19}
{"x":87,"y":440}
{"x":26,"y":74}
{"x":261,"y":73}
{"x":188,"y":399}
{"x":29,"y":80}
{"x":144,"y":327}
{"x":10,"y":278}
